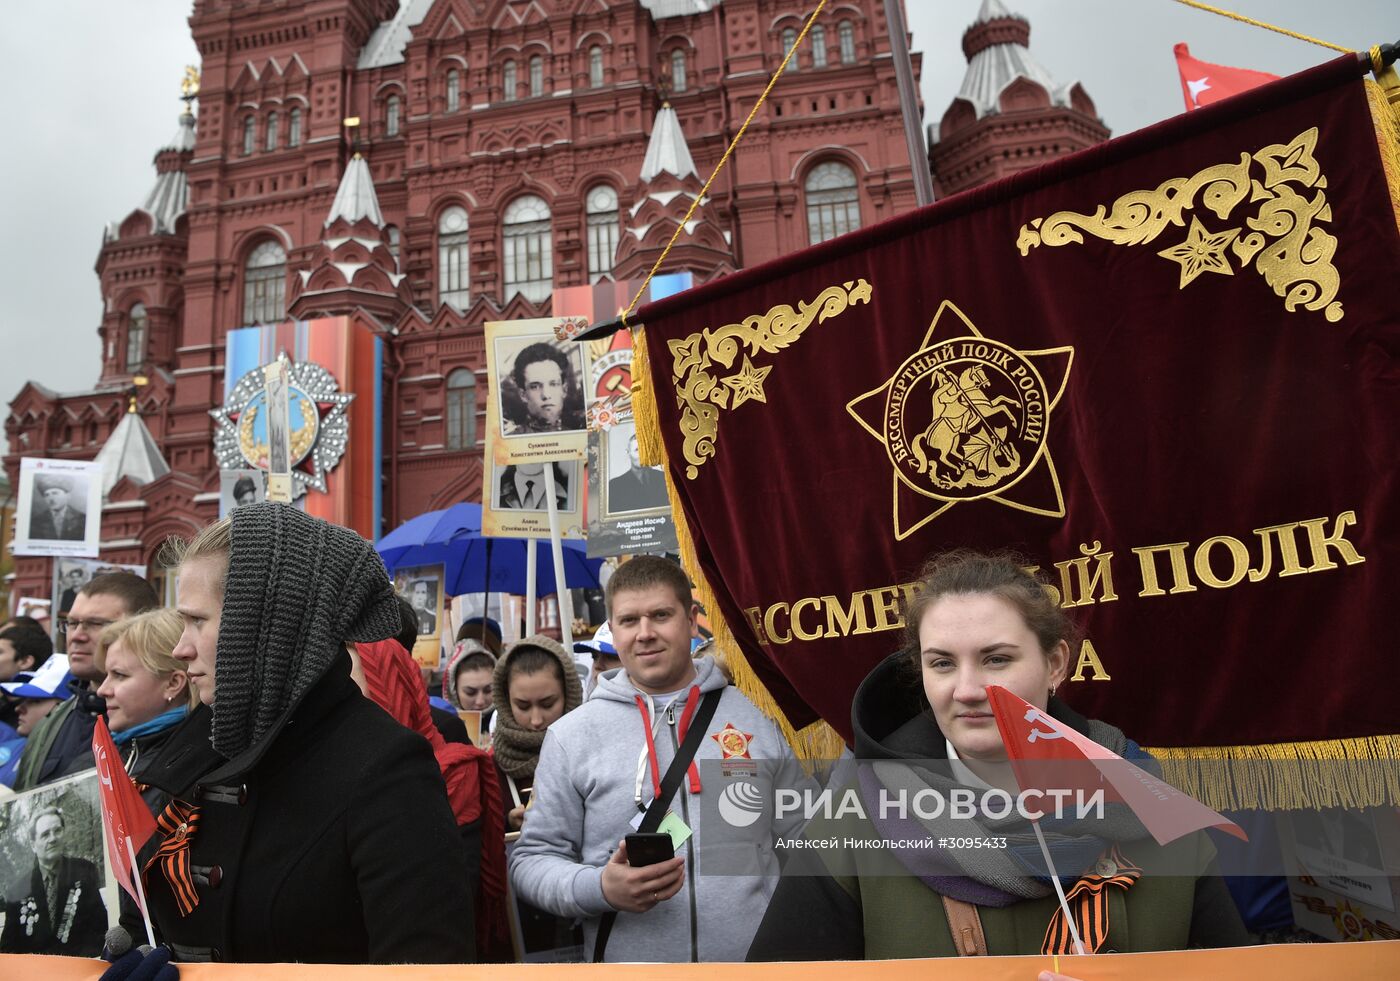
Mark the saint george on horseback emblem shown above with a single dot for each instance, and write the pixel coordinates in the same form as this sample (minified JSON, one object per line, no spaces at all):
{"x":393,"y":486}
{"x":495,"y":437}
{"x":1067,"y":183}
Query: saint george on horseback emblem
{"x":965,"y":418}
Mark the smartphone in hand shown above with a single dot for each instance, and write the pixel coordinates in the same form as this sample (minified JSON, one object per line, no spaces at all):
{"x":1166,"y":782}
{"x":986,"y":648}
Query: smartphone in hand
{"x":649,"y":848}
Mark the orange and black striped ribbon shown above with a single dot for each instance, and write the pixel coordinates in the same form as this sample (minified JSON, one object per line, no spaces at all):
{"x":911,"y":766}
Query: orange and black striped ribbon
{"x":177,"y":824}
{"x":1089,"y":900}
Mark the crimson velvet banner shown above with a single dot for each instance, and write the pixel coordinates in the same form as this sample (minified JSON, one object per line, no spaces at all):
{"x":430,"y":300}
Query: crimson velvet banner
{"x":1163,"y":369}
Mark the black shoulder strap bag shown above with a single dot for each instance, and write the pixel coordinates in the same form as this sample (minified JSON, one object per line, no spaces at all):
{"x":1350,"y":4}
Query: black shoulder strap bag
{"x":675,"y":773}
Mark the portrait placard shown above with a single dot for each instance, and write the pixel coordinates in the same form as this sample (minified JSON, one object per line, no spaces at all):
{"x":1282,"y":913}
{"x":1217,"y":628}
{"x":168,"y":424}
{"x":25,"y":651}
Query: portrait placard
{"x":59,"y":511}
{"x":244,"y":486}
{"x":71,"y":575}
{"x":536,"y":376}
{"x":515,"y":502}
{"x":422,"y":586}
{"x":51,"y":837}
{"x":628,"y":509}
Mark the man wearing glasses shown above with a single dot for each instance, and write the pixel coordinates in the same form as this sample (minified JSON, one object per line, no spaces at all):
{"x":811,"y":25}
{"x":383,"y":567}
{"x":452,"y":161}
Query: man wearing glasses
{"x":61,"y":743}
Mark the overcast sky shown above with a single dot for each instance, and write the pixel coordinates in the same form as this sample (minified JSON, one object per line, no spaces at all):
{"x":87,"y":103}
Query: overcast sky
{"x":94,"y":92}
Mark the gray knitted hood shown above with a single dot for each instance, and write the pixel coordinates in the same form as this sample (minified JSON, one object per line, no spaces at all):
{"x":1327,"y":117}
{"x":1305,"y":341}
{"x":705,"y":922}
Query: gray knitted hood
{"x":297,"y":589}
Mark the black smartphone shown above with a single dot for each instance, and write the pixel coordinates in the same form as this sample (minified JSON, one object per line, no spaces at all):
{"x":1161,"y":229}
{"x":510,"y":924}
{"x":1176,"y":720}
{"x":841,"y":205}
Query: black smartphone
{"x":649,"y":848}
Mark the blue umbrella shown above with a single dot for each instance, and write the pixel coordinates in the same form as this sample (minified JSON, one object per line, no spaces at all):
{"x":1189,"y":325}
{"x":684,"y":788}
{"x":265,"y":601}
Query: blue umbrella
{"x":474,"y":563}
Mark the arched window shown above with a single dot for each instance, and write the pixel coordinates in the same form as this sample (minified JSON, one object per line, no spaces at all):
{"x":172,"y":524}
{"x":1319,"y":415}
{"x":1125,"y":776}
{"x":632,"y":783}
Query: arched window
{"x":536,"y":76}
{"x":529,"y":250}
{"x":391,"y":116}
{"x":601,"y":205}
{"x":265,"y":284}
{"x":818,"y":46}
{"x":454,"y":273}
{"x":454,"y":91}
{"x":678,"y":70}
{"x":270,"y":140}
{"x":789,"y":39}
{"x":595,"y":67}
{"x":294,"y":128}
{"x":833,"y":205}
{"x":846,"y":35}
{"x":461,"y":410}
{"x":391,"y":232}
{"x":508,"y":82}
{"x":250,"y":135}
{"x":135,"y":338}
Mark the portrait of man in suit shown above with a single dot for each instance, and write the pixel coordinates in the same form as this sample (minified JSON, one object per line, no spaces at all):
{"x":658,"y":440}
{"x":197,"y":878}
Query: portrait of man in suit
{"x":636,"y":488}
{"x":523,"y":488}
{"x":71,"y":579}
{"x":423,"y":595}
{"x":54,"y":906}
{"x":53,"y":515}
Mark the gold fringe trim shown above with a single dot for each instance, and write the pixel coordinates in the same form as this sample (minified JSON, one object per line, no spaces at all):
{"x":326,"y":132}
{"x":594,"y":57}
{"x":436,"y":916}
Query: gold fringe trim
{"x":1384,"y":99}
{"x":1353,"y":773}
{"x":812,"y":744}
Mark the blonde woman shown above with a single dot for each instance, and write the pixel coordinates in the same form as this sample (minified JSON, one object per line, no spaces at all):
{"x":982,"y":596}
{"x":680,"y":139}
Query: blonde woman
{"x":147,"y":691}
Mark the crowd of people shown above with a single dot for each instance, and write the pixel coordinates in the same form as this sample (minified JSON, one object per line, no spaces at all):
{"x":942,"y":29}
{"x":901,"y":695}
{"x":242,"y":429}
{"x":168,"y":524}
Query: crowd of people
{"x":314,"y":802}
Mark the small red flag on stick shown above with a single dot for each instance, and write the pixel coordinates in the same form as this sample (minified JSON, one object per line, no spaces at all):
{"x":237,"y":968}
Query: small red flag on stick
{"x":1033,"y":739}
{"x":1203,"y":83}
{"x":126,"y":819}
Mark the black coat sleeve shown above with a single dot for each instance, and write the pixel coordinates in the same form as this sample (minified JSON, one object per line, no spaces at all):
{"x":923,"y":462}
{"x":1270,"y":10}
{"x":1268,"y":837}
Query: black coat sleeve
{"x":810,"y":918}
{"x":410,"y":862}
{"x":1215,"y":920}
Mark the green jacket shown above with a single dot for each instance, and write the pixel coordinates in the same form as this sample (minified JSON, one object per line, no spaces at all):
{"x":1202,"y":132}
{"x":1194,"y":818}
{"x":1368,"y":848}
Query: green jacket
{"x":843,"y":903}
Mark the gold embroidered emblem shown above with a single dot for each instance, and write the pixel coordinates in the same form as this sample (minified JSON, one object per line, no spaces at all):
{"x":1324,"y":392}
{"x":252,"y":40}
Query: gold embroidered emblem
{"x":964,"y":419}
{"x":1282,"y":238}
{"x":701,"y":395}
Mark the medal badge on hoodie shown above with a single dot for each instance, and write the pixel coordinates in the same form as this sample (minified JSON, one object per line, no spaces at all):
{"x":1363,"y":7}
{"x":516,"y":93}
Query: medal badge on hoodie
{"x":734,"y":747}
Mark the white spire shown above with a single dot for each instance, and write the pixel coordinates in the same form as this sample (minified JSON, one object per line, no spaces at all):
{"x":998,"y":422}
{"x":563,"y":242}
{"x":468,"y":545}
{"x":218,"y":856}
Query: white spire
{"x":991,"y":10}
{"x":356,"y":198}
{"x":667,"y":152}
{"x":167,"y":199}
{"x":130,"y":451}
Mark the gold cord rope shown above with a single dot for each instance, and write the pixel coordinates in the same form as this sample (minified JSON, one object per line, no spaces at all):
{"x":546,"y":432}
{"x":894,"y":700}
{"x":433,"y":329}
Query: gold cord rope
{"x":1266,"y":26}
{"x":729,"y":151}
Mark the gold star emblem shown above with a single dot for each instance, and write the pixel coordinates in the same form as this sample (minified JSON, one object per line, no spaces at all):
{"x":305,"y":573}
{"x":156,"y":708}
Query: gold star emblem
{"x":1202,"y":252}
{"x":964,"y":419}
{"x":748,"y":383}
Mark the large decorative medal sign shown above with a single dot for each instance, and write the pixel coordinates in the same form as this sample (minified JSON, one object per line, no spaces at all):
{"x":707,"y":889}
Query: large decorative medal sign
{"x":1163,"y":371}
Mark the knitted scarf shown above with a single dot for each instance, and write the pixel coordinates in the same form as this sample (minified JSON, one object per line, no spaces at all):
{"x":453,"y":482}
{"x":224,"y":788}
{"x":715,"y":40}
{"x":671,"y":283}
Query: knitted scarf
{"x":297,"y":588}
{"x":517,"y":749}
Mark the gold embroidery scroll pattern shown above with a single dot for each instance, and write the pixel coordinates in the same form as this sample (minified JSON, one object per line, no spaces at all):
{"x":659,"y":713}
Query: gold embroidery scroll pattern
{"x":702,"y":395}
{"x":1282,"y":239}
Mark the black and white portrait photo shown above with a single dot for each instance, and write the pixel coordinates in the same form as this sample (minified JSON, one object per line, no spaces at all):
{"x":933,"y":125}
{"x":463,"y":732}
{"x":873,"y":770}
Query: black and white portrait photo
{"x":539,"y":386}
{"x":524,"y":487}
{"x":237,"y":487}
{"x":422,"y":593}
{"x":59,"y":507}
{"x":51,"y":850}
{"x":70,"y":575}
{"x":631,"y":486}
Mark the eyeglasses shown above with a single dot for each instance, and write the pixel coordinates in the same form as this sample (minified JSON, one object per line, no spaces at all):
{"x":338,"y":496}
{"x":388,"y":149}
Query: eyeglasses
{"x":67,"y":625}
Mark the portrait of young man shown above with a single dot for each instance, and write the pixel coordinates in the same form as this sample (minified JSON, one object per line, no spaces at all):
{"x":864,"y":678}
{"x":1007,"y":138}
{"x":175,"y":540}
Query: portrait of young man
{"x":545,"y":381}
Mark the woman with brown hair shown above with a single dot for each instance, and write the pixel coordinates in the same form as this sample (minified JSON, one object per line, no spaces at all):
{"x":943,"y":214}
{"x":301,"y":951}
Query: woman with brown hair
{"x":923,"y":724}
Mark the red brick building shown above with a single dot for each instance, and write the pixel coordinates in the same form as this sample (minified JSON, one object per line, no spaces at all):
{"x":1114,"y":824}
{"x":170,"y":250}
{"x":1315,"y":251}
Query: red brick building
{"x":505,"y":143}
{"x":1010,"y":114}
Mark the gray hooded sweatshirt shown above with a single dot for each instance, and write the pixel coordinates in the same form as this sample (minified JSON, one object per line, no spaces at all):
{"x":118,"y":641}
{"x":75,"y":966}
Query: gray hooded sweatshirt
{"x":584,"y":803}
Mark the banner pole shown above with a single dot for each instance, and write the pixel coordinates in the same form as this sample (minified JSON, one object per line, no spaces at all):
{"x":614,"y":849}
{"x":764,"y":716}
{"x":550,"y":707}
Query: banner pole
{"x":531,"y":572}
{"x":561,"y":588}
{"x":909,"y":103}
{"x":140,"y":892}
{"x":1059,"y":889}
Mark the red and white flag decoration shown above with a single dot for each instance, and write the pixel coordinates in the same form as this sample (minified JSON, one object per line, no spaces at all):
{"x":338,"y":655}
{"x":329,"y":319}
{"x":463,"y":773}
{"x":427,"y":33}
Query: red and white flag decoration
{"x":1203,"y":83}
{"x":1047,"y":755}
{"x":125,"y":817}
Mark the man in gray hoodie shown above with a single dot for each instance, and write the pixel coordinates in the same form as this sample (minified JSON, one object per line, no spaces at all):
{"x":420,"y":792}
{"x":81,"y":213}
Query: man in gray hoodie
{"x":602,"y":764}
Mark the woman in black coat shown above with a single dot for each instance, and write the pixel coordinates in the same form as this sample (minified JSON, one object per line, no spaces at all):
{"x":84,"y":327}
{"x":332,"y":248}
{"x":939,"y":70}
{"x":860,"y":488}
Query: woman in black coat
{"x":305,"y":824}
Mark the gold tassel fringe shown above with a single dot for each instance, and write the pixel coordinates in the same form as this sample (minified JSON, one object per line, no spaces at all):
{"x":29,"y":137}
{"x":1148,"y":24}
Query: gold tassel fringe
{"x":813,"y":743}
{"x":1353,"y":773}
{"x":1385,"y":114}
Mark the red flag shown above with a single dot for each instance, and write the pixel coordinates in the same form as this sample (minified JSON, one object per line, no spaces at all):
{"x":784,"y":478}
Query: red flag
{"x":1032,"y":739}
{"x":1203,"y":83}
{"x":125,"y":816}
